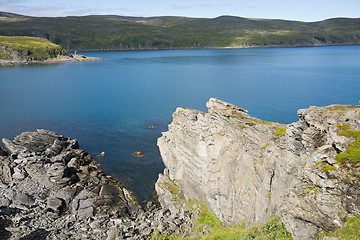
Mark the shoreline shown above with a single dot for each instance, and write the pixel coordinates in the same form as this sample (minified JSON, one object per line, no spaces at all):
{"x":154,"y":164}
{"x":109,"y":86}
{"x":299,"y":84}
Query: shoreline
{"x":60,"y":59}
{"x":199,"y":48}
{"x":83,"y":58}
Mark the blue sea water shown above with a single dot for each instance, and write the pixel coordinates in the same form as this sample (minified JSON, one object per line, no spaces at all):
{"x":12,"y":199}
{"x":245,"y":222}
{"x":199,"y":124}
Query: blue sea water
{"x":121,"y":105}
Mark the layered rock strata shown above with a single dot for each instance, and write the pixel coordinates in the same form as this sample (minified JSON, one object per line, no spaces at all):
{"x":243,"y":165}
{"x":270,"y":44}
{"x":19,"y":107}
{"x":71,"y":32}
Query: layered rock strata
{"x":246,"y":168}
{"x":51,"y":189}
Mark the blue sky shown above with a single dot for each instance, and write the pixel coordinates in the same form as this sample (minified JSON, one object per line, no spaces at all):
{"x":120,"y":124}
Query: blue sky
{"x":302,"y":10}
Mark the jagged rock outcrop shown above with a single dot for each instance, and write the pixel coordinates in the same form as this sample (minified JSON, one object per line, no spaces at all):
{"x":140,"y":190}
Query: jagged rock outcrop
{"x":51,"y":189}
{"x":246,"y":168}
{"x":47,"y":176}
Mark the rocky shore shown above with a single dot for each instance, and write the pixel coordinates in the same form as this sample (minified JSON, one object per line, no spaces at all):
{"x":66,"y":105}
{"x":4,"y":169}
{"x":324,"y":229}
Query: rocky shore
{"x":51,"y":189}
{"x":59,"y":59}
{"x":222,"y":165}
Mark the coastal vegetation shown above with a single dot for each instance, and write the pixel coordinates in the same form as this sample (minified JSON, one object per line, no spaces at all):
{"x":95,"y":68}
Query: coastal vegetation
{"x":351,"y":230}
{"x":208,"y":225}
{"x":110,"y":32}
{"x":351,"y":156}
{"x":28,"y":48}
{"x":280,"y":131}
{"x":274,"y":228}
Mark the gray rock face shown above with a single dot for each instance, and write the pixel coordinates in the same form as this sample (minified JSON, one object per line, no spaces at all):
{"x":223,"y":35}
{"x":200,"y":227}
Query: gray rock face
{"x":246,"y":168}
{"x":50,"y":189}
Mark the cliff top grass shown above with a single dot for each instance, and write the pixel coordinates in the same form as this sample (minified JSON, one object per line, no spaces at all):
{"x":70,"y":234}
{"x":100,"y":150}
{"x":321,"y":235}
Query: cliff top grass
{"x":19,"y":42}
{"x":28,"y":48}
{"x":343,"y":107}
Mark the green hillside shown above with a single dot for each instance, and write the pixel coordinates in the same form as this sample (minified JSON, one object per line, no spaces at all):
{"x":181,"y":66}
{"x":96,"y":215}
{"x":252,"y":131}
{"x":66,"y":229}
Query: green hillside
{"x":124,"y":33}
{"x":28,"y":48}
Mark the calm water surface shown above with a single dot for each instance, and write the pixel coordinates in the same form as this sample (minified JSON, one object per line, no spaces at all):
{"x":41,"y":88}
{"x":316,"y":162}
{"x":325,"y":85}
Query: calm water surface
{"x":121,"y":105}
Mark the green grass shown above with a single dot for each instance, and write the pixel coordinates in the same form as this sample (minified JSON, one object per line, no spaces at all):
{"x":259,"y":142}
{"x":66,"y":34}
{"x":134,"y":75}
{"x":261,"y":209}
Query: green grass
{"x":5,"y":54}
{"x":312,"y":190}
{"x":325,"y":167}
{"x":207,"y":217}
{"x":343,"y":107}
{"x":343,"y":126}
{"x":352,"y":154}
{"x":265,"y":146}
{"x":350,"y":231}
{"x":17,"y":42}
{"x":280,"y":131}
{"x":339,"y":107}
{"x":32,"y":48}
{"x":272,"y":229}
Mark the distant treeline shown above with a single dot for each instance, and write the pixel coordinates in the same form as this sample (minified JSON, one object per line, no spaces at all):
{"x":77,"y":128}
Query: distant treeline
{"x":128,"y":33}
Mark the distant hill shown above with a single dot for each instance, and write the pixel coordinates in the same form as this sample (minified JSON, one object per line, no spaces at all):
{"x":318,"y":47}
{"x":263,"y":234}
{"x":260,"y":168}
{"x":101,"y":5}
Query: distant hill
{"x":108,"y":32}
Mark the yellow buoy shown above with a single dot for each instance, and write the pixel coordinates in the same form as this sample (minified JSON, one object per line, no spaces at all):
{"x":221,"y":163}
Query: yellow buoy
{"x":102,"y":153}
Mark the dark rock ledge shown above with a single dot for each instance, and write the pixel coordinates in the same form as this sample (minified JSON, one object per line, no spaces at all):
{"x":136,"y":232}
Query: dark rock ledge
{"x":51,"y":189}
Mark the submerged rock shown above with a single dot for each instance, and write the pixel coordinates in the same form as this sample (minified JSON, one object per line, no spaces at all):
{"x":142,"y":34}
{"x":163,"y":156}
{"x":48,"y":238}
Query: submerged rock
{"x":139,"y":154}
{"x":247,"y":168}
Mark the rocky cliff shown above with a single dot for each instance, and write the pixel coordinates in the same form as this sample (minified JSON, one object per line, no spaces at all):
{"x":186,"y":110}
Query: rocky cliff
{"x":23,"y":50}
{"x":246,"y":168}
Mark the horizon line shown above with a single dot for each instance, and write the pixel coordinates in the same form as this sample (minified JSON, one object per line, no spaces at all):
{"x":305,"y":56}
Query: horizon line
{"x":159,"y":16}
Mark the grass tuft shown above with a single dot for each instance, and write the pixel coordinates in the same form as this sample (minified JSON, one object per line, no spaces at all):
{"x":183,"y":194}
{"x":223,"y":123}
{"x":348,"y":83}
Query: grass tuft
{"x":352,"y":154}
{"x":343,"y":126}
{"x":264,"y":147}
{"x":312,"y":190}
{"x":350,"y":231}
{"x":325,"y":167}
{"x":281,"y":131}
